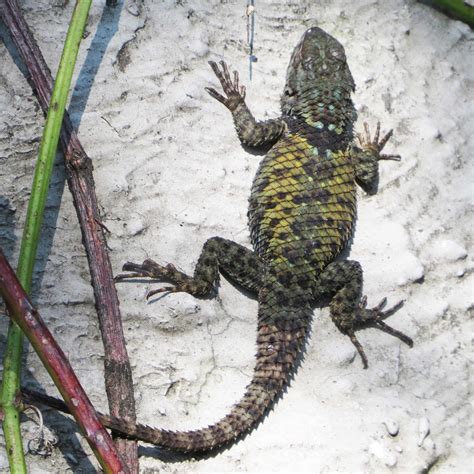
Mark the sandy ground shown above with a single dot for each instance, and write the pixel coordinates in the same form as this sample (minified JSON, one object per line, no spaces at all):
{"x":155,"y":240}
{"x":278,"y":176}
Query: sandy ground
{"x":170,"y":173}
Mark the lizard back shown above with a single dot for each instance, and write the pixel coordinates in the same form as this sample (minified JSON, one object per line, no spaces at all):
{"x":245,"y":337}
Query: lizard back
{"x":303,"y":199}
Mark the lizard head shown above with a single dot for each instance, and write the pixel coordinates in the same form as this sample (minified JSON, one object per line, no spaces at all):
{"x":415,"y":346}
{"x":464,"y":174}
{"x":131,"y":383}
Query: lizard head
{"x":317,"y":63}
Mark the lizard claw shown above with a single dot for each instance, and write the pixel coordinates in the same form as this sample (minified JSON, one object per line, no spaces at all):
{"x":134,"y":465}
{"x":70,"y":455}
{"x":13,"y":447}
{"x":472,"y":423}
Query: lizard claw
{"x":147,"y":269}
{"x":234,"y":92}
{"x":390,"y":157}
{"x":376,"y":145}
{"x":165,"y":289}
{"x":359,"y":348}
{"x":375,"y":317}
{"x":376,"y":309}
{"x":155,"y":271}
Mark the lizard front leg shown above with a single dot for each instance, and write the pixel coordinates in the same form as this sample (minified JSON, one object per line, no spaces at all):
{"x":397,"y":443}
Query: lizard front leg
{"x":343,"y":281}
{"x":251,"y":133}
{"x":367,"y":155}
{"x":240,"y":264}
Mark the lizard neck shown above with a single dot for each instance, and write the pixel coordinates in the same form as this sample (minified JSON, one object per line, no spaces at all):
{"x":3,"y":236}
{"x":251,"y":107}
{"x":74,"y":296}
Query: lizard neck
{"x":324,"y":116}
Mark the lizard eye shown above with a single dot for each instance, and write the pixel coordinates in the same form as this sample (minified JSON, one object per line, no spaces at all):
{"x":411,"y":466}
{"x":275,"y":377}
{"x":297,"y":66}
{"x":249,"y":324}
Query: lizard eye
{"x":336,"y":54}
{"x":288,"y":91}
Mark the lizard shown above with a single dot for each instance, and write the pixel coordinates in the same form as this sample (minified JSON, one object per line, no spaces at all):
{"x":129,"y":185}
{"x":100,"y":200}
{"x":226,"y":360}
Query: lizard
{"x":301,"y":214}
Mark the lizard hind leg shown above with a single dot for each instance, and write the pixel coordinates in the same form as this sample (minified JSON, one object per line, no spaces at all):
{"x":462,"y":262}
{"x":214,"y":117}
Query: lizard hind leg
{"x":348,"y":309}
{"x":240,"y":264}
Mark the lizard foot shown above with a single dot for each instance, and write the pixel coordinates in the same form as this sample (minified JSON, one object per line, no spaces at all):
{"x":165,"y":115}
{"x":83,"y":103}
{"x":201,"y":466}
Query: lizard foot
{"x":373,"y":317}
{"x":235,"y":93}
{"x":150,"y":269}
{"x":375,"y":146}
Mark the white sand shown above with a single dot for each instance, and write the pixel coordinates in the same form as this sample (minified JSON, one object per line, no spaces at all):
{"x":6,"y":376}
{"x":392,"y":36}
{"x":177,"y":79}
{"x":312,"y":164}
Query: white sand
{"x":170,"y":173}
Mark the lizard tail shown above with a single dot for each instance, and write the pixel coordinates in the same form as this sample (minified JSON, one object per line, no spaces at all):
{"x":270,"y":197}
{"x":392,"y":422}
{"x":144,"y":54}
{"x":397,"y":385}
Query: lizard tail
{"x":279,"y":345}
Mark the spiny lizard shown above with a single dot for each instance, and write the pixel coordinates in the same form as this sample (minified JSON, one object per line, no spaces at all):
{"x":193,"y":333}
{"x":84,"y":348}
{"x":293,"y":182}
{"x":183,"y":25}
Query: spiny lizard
{"x":301,"y":217}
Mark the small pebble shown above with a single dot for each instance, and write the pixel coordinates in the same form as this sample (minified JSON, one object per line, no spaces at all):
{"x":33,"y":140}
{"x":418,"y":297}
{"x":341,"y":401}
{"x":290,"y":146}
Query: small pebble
{"x":392,"y":427}
{"x":134,"y":9}
{"x":423,"y":429}
{"x":135,"y":227}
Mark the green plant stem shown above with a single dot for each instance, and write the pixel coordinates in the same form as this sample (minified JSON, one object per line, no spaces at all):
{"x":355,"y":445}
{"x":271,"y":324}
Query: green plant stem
{"x":78,"y":404}
{"x":457,"y":9}
{"x":30,"y":239}
{"x":117,"y":371}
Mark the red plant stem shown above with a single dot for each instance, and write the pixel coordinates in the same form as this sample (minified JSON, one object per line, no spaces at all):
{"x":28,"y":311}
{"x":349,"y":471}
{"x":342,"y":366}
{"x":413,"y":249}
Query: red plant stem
{"x":25,"y":315}
{"x":118,"y":374}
